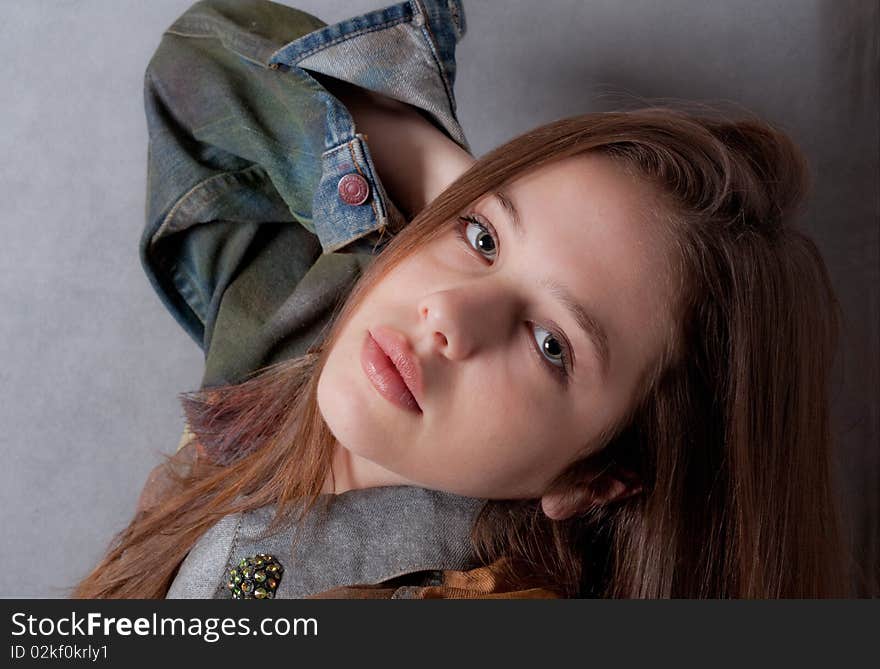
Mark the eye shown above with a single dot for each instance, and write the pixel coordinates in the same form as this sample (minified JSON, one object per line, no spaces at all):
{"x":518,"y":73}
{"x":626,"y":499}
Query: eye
{"x":479,"y":236}
{"x":549,"y":345}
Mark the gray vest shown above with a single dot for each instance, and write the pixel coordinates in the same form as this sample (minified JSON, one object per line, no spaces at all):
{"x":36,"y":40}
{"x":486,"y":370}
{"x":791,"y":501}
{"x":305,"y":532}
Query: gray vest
{"x":364,"y":537}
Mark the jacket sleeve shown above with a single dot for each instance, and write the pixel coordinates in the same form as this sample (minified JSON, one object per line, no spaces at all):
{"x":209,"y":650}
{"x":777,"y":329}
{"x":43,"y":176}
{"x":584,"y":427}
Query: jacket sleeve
{"x":233,"y":155}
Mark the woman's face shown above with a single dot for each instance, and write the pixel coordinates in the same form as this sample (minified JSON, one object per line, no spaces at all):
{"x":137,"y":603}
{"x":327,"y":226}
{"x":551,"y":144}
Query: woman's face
{"x":512,"y":383}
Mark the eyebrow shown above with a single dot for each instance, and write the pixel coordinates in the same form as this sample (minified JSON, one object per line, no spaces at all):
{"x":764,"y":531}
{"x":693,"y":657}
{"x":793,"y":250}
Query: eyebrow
{"x":590,"y":325}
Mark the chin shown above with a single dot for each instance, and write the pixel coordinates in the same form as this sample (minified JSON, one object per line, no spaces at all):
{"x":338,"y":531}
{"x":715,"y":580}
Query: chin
{"x":349,"y":416}
{"x":339,"y":411}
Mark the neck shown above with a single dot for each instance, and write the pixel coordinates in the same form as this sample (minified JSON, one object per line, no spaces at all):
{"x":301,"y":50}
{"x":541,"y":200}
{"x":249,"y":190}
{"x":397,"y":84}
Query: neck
{"x":349,"y":471}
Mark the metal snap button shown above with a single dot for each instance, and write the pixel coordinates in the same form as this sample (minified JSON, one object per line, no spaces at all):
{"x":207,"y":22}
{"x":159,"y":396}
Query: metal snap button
{"x":353,"y":189}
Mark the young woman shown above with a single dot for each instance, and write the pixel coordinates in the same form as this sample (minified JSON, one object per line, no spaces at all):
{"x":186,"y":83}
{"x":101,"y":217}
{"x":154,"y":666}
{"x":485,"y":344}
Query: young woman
{"x":607,"y":337}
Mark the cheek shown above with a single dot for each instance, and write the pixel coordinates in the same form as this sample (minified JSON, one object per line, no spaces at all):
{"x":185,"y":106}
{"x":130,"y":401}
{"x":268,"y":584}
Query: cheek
{"x":444,"y":256}
{"x":507,"y":435}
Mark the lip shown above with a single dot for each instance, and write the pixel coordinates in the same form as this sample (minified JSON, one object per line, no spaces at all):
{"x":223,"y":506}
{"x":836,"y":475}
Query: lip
{"x":394,"y":371}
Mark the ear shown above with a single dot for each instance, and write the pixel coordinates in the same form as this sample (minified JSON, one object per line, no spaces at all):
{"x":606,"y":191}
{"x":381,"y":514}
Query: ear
{"x":605,"y":487}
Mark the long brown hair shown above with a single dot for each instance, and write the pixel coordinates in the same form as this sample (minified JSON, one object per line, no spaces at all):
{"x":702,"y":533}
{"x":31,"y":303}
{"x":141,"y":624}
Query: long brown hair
{"x":729,"y":433}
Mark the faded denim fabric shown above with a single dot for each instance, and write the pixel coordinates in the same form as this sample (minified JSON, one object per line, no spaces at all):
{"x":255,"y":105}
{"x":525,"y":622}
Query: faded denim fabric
{"x":247,"y":240}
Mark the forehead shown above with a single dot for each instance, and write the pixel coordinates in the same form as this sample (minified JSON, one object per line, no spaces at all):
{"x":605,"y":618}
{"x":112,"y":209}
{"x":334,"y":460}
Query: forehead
{"x":591,"y":225}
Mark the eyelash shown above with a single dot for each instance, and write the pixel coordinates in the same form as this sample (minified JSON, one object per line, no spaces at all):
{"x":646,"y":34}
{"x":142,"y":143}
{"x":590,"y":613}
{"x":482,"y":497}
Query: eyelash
{"x":562,"y":373}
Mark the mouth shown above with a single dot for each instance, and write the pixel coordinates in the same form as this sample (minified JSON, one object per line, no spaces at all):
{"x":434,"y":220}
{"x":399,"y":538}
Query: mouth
{"x":393,"y":370}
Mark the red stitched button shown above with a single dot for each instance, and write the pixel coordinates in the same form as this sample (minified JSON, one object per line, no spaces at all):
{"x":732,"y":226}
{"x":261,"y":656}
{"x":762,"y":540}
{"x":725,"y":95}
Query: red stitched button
{"x":353,"y":189}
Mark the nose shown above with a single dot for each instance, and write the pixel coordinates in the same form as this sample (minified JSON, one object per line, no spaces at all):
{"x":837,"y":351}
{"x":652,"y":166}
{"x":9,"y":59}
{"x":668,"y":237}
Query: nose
{"x":459,"y":321}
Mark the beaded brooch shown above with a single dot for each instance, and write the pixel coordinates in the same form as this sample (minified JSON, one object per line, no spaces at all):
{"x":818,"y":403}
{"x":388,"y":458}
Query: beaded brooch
{"x":255,"y":577}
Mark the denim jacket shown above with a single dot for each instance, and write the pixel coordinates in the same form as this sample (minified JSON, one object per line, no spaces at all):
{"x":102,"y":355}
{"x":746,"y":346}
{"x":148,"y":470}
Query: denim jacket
{"x":250,"y":239}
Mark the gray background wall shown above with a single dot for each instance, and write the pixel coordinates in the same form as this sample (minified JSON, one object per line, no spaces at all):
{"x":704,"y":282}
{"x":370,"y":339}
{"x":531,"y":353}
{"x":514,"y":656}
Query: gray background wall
{"x":90,"y":363}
